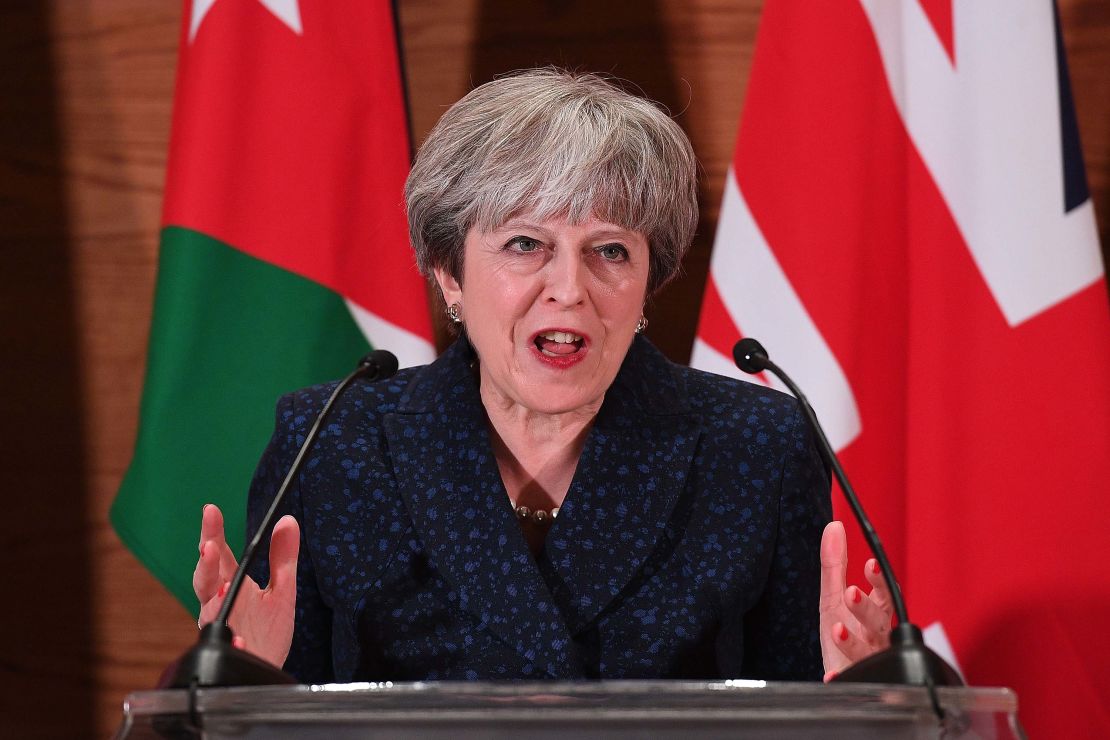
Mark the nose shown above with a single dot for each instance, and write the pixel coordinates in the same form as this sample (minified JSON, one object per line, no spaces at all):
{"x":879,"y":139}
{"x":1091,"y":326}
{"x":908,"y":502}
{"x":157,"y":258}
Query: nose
{"x":566,"y":278}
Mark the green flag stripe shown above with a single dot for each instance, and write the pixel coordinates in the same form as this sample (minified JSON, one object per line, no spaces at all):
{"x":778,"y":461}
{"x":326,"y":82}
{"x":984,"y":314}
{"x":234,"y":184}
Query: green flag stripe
{"x":230,"y":334}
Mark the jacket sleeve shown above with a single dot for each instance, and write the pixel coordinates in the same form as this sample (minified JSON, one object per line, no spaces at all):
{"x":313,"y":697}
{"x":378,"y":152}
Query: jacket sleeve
{"x":781,"y":631}
{"x":309,"y":658}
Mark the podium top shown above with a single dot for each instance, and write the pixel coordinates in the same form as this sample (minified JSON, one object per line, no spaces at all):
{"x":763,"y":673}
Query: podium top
{"x":686,"y":709}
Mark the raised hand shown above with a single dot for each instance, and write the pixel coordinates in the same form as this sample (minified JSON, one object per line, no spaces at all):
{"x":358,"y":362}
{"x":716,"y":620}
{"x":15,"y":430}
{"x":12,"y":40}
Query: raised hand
{"x":262,"y":619}
{"x":853,"y":624}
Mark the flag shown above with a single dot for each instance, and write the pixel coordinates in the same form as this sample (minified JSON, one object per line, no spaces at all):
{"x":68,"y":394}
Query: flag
{"x":906,"y":227}
{"x":284,"y":251}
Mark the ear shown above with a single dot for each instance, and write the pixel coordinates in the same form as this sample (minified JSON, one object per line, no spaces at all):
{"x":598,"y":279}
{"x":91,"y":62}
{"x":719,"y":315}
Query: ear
{"x":448,"y":285}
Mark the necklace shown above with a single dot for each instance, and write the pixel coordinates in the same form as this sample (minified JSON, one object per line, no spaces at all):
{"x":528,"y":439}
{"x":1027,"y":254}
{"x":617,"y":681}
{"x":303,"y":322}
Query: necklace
{"x":537,"y":516}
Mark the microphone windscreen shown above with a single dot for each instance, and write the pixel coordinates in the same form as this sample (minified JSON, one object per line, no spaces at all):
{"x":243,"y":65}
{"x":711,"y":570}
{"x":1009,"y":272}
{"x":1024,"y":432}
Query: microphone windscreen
{"x":380,"y":364}
{"x":749,"y":356}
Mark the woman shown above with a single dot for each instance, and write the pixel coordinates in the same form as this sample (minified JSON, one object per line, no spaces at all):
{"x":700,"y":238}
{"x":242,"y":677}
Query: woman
{"x":551,"y":498}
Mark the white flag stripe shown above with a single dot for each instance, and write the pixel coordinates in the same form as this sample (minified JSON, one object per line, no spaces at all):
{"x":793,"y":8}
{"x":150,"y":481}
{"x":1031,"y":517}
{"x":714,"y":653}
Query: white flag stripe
{"x":937,"y":639}
{"x":286,"y":11}
{"x":763,"y":303}
{"x":996,"y":114}
{"x":410,"y":349}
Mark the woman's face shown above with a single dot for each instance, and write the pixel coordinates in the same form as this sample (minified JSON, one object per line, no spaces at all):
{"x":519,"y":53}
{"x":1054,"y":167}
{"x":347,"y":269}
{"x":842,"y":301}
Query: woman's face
{"x":550,"y":308}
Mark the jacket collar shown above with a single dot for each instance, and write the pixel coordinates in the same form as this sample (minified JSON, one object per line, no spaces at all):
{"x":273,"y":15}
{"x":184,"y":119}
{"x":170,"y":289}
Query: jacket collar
{"x":618,"y":508}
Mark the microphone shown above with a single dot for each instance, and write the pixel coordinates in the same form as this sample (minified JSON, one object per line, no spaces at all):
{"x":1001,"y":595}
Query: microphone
{"x":380,"y":364}
{"x":908,"y":661}
{"x":213,"y":661}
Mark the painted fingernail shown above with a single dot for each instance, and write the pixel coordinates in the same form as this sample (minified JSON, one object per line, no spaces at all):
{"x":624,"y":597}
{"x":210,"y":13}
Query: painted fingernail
{"x":857,"y":595}
{"x":875,"y":567}
{"x":842,"y":634}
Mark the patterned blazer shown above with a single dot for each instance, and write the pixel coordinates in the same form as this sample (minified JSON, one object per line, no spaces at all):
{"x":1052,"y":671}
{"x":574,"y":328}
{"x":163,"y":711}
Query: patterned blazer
{"x":687,"y":546}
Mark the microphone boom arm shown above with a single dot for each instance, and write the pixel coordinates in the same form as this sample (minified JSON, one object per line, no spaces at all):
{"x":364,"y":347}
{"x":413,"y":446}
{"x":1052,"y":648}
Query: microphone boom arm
{"x":908,"y":660}
{"x":214,"y":661}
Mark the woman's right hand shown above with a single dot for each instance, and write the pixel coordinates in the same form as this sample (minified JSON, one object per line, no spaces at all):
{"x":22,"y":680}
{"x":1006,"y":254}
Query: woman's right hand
{"x":262,"y":619}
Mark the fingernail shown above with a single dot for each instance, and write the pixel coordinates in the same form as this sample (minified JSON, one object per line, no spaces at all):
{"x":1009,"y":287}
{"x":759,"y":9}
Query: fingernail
{"x":857,"y":595}
{"x":842,"y":634}
{"x":223,"y":589}
{"x":204,"y":508}
{"x":875,"y":567}
{"x":829,"y":676}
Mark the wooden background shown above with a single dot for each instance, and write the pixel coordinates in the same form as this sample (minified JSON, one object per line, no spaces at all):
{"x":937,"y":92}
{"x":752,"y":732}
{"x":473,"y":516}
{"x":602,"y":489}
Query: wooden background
{"x":85,"y":94}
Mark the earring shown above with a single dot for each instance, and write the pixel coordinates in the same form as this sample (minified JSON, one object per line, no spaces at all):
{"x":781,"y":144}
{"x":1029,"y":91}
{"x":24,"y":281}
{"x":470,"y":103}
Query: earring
{"x":453,"y":313}
{"x":641,"y":324}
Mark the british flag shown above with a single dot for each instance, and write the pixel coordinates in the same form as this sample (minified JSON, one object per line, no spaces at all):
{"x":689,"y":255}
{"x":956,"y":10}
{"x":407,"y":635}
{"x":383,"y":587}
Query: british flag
{"x":906,"y":227}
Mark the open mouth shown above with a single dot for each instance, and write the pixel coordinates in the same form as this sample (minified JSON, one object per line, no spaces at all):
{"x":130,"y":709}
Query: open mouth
{"x":558,"y":343}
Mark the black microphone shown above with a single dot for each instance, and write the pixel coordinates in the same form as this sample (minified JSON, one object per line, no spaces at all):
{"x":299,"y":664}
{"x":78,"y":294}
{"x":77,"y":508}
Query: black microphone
{"x":908,"y":661}
{"x":214,"y":661}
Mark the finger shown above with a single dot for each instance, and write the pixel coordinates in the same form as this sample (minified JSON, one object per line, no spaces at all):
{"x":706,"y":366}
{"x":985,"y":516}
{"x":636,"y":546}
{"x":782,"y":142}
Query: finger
{"x":832,"y":657}
{"x":834,"y":566}
{"x":833,"y":569}
{"x":849,"y":645}
{"x":212,"y":531}
{"x":211,"y":523}
{"x":211,"y":607}
{"x":285,"y":544}
{"x":880,"y":592}
{"x":873,"y":622}
{"x":206,"y":576}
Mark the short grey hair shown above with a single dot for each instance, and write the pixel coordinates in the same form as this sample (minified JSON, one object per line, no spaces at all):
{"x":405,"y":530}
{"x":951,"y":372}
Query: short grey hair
{"x":553,"y":143}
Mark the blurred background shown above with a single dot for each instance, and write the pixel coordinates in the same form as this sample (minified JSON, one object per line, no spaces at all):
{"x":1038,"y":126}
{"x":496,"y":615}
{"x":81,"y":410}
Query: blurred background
{"x":86,"y":88}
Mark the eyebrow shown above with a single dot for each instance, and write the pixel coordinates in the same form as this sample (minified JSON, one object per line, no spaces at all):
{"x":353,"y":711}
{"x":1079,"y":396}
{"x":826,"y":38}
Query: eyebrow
{"x":612,"y":231}
{"x":514,"y":223}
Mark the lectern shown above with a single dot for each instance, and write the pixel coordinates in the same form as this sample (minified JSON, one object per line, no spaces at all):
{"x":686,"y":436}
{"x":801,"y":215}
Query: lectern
{"x":601,"y":709}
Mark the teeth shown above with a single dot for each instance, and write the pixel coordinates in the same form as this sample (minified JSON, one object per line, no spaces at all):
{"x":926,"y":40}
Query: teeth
{"x":562,"y":337}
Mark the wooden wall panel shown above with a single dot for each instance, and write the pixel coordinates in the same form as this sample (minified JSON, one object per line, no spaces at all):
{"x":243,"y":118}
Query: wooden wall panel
{"x":85,"y":99}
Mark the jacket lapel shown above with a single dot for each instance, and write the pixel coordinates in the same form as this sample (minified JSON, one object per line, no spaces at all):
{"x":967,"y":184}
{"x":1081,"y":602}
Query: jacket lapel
{"x":629,"y":479}
{"x":443,"y":460}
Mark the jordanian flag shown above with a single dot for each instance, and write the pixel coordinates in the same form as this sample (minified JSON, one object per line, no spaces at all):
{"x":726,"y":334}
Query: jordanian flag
{"x":907,"y":227}
{"x":284,"y":251}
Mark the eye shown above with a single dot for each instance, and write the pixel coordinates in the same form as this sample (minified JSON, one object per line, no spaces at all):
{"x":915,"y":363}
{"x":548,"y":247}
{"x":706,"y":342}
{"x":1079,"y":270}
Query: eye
{"x":613,"y":252}
{"x":523,"y":244}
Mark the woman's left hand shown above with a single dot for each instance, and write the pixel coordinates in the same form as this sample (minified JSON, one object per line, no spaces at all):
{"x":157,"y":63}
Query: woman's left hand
{"x":853,"y":624}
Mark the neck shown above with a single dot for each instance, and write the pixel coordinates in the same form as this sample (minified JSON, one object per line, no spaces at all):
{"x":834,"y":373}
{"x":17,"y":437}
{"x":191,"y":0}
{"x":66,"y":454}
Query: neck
{"x":537,"y":453}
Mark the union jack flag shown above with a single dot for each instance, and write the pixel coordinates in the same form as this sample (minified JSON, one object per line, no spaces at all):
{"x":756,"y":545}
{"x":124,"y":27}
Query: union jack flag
{"x":906,"y":227}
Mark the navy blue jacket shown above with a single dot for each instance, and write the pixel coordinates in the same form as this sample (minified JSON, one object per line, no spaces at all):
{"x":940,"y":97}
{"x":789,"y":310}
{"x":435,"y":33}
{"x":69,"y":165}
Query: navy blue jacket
{"x":687,"y":546}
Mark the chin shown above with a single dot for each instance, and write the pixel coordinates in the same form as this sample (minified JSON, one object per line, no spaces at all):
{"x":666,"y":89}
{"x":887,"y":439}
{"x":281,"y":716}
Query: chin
{"x":553,"y":404}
